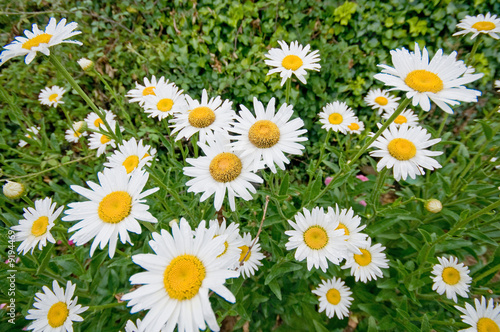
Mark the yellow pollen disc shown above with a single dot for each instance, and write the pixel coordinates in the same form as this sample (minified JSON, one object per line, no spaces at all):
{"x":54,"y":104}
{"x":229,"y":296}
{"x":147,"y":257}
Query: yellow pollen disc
{"x":225,"y":167}
{"x":353,"y":126}
{"x":115,"y":207}
{"x":424,"y":81}
{"x":201,"y":117}
{"x":364,"y":259}
{"x":77,"y":134}
{"x":402,"y":149}
{"x":98,"y":122}
{"x":131,"y":163}
{"x":53,"y":97}
{"x":148,"y":91}
{"x":40,"y":226}
{"x":333,"y":296}
{"x":264,"y":134}
{"x":381,"y":100}
{"x":486,"y":324}
{"x":105,"y":139}
{"x":292,"y":62}
{"x":342,"y":226}
{"x":335,"y":118}
{"x":165,"y":104}
{"x":484,"y":26}
{"x":58,"y":313}
{"x":244,"y":250}
{"x":226,"y":245}
{"x":400,"y":120}
{"x":44,"y":38}
{"x":451,"y":276}
{"x":183,"y":277}
{"x":315,"y":237}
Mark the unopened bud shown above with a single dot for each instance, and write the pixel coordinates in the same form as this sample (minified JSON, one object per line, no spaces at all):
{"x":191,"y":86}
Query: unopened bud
{"x":85,"y":63}
{"x":79,"y":126}
{"x":433,"y":205}
{"x":13,"y":190}
{"x":173,"y":222}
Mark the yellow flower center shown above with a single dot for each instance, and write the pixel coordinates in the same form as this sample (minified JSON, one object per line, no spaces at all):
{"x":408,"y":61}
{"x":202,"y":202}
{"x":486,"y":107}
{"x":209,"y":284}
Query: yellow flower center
{"x":53,"y":97}
{"x":165,"y":104}
{"x":484,"y":26}
{"x":364,"y":259}
{"x":105,"y":139}
{"x":402,"y":149}
{"x":131,"y":163}
{"x":58,"y":313}
{"x":381,"y":100}
{"x":424,"y":81}
{"x":40,"y":226}
{"x":400,"y":120}
{"x":115,"y":207}
{"x":77,"y":134}
{"x":98,"y":122}
{"x":342,"y":226}
{"x":486,"y":324}
{"x":148,"y":91}
{"x":451,"y":276}
{"x":315,"y":237}
{"x":44,"y":38}
{"x":225,"y":167}
{"x":183,"y":277}
{"x":264,"y":134}
{"x":353,"y":126}
{"x":335,"y":118}
{"x":201,"y":117}
{"x":244,"y":250}
{"x":333,"y":296}
{"x":292,"y":62}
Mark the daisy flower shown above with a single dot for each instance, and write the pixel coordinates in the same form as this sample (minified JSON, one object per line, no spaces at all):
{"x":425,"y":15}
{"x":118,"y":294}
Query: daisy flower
{"x":440,"y":80}
{"x":40,"y":41}
{"x":94,"y":122}
{"x":55,"y":309}
{"x":131,"y":155}
{"x":205,"y":117}
{"x":85,"y":63}
{"x":35,"y":227}
{"x":99,"y":141}
{"x":167,"y":100}
{"x":34,"y":130}
{"x":488,"y":24}
{"x":348,"y":222}
{"x":292,"y":60}
{"x":113,"y":208}
{"x":368,"y":264}
{"x":131,"y":327}
{"x":404,"y":149}
{"x":497,"y":85}
{"x":221,"y":170}
{"x":356,"y":127}
{"x":178,"y":278}
{"x":407,"y":116}
{"x":233,"y":243}
{"x":334,"y":297}
{"x":13,"y":190}
{"x":249,"y":261}
{"x":268,"y":135}
{"x":73,"y":136}
{"x":451,"y":277}
{"x":138,"y":95}
{"x":381,"y":100}
{"x":317,"y":238}
{"x":485,"y":317}
{"x":51,"y":96}
{"x":337,"y":116}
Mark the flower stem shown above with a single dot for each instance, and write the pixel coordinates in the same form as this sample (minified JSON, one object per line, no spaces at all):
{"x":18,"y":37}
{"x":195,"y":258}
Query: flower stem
{"x":106,"y":306}
{"x":470,"y":56}
{"x":288,"y":89}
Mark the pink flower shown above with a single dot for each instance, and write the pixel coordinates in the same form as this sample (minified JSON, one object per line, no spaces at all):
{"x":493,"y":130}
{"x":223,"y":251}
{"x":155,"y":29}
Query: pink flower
{"x":71,"y":243}
{"x":59,"y":241}
{"x":328,"y":180}
{"x":362,"y":177}
{"x":3,"y":305}
{"x":362,"y":202}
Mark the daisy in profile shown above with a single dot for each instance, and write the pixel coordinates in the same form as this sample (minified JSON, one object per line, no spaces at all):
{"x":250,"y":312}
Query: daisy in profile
{"x":337,"y":116}
{"x":349,"y":223}
{"x":404,"y":149}
{"x":114,"y":207}
{"x":99,"y":141}
{"x":131,"y":155}
{"x":406,"y":117}
{"x":356,"y":127}
{"x":440,"y":80}
{"x":166,"y":100}
{"x":138,"y":95}
{"x":35,"y":227}
{"x":368,"y":264}
{"x":334,"y":297}
{"x":249,"y":261}
{"x":268,"y":135}
{"x":488,"y":24}
{"x":381,"y":100}
{"x":40,"y":41}
{"x":451,"y":277}
{"x":94,"y":122}
{"x":221,"y":170}
{"x":175,"y":287}
{"x":33,"y":131}
{"x":317,"y":238}
{"x":484,"y":318}
{"x":55,"y":310}
{"x":73,"y":136}
{"x":232,"y":244}
{"x":292,"y":60}
{"x":51,"y":96}
{"x":206,"y":117}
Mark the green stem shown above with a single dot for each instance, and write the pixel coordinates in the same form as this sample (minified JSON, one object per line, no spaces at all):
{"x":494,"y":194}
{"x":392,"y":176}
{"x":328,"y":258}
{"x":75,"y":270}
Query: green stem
{"x":16,"y":111}
{"x":321,"y":154}
{"x":441,"y":126}
{"x":106,"y":306}
{"x":288,"y":89}
{"x":487,"y":273}
{"x":377,"y":190}
{"x":470,"y":56}
{"x":70,"y":123}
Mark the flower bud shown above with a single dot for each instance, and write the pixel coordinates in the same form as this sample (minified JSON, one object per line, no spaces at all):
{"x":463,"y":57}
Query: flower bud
{"x":13,"y":190}
{"x":79,"y":126}
{"x":173,"y":222}
{"x":85,"y":63}
{"x":433,"y":205}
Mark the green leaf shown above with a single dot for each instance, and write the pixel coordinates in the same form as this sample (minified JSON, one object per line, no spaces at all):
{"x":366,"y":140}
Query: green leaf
{"x":488,"y":132}
{"x":280,"y":269}
{"x":319,"y":327}
{"x":285,"y":182}
{"x":426,"y":235}
{"x":275,"y":288}
{"x":480,"y":236}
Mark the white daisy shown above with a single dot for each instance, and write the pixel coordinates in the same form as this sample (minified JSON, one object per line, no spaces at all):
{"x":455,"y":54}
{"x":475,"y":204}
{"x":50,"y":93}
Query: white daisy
{"x":232,"y":244}
{"x":292,"y":60}
{"x":488,"y":24}
{"x":34,"y":130}
{"x":268,"y":135}
{"x":94,"y":122}
{"x":221,"y":170}
{"x":381,"y":100}
{"x":178,"y":278}
{"x":348,"y":222}
{"x":51,"y":96}
{"x":40,"y":41}
{"x":55,"y":310}
{"x":113,"y":208}
{"x":317,"y":238}
{"x":99,"y":141}
{"x":367,"y":266}
{"x":451,"y":277}
{"x":141,"y":91}
{"x":439,"y":80}
{"x":334,"y":297}
{"x":337,"y":116}
{"x":85,"y":63}
{"x":131,"y":327}
{"x":205,"y":117}
{"x":167,"y":100}
{"x":249,"y":262}
{"x":407,"y":116}
{"x":497,"y":85}
{"x":356,"y":127}
{"x":484,"y":318}
{"x":73,"y":136}
{"x":35,"y":227}
{"x":131,"y":155}
{"x":404,"y":149}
